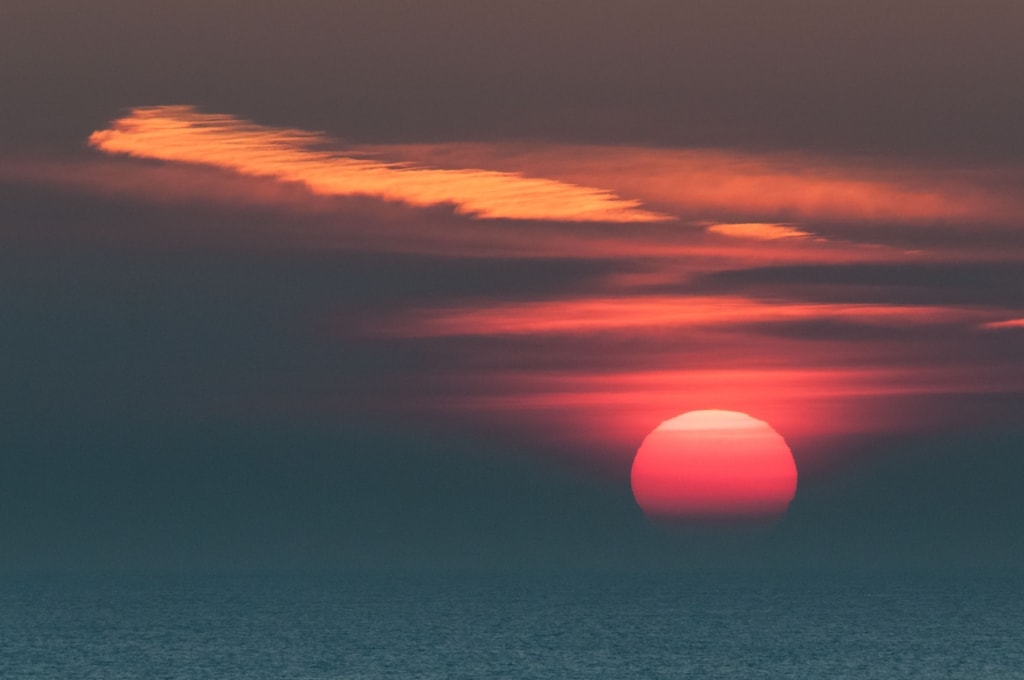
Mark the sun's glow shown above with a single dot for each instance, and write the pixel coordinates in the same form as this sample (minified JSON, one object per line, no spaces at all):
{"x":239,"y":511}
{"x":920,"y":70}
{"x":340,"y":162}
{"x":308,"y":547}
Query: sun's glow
{"x":713,"y":464}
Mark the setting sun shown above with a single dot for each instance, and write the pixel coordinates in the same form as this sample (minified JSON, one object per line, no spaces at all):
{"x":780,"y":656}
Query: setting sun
{"x":713,"y":465}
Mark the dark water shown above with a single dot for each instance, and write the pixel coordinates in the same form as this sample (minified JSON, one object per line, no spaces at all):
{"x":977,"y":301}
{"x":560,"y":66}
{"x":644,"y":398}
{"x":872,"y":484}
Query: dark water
{"x":513,"y":626}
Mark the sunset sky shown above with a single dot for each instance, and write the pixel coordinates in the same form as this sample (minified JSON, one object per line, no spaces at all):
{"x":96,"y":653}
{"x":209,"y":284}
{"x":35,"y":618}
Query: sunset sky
{"x":389,"y":284}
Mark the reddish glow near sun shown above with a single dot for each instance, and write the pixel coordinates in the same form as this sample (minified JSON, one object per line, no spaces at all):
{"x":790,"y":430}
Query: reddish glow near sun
{"x":713,"y":465}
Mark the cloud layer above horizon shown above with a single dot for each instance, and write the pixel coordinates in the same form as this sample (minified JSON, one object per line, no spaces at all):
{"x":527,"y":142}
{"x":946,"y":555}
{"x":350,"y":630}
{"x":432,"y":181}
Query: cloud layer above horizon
{"x":780,"y":284}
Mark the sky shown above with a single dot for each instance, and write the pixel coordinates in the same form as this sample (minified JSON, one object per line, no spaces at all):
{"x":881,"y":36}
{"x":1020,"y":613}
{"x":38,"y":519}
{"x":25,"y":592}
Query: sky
{"x":392,"y":284}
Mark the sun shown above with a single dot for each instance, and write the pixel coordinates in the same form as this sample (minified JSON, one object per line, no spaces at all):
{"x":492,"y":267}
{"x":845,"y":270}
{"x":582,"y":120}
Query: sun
{"x":713,"y":465}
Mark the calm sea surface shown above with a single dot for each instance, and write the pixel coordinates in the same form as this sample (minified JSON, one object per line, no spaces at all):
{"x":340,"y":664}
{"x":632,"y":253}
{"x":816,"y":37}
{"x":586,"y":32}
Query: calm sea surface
{"x":705,"y":625}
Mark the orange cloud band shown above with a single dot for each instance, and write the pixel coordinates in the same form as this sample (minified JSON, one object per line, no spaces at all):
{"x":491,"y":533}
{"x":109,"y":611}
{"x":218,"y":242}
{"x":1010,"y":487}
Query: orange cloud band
{"x":731,"y":186}
{"x":758,"y":231}
{"x":180,"y":133}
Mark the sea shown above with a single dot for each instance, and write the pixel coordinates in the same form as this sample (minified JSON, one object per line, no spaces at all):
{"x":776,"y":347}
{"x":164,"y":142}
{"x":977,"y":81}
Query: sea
{"x":550,"y":625}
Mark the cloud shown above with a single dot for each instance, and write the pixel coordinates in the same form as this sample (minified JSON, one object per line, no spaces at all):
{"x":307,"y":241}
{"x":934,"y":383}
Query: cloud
{"x":165,"y":184}
{"x":608,"y":412}
{"x":182,"y":134}
{"x":209,"y":204}
{"x":727,"y":186}
{"x":1002,"y":325}
{"x":758,"y":231}
{"x":649,"y":314}
{"x":999,"y":283}
{"x":731,"y":209}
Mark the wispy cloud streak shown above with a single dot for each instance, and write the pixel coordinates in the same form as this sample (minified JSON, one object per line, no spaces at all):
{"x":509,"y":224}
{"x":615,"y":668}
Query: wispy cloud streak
{"x":758,"y":231}
{"x":1001,"y":325}
{"x":182,"y":134}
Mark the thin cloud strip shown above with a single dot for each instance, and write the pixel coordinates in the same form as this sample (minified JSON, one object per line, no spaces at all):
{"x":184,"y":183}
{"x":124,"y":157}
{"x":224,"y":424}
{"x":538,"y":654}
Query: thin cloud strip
{"x":1001,"y":325}
{"x":592,"y":315}
{"x":758,"y":231}
{"x":610,"y":410}
{"x":182,"y":134}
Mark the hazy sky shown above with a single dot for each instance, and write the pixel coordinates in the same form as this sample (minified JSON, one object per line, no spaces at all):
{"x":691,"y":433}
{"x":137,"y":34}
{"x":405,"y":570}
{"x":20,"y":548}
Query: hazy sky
{"x":390,"y":283}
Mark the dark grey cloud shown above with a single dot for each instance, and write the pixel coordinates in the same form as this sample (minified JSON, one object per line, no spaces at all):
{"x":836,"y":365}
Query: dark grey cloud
{"x":954,"y":283}
{"x":98,"y":317}
{"x":838,"y":331}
